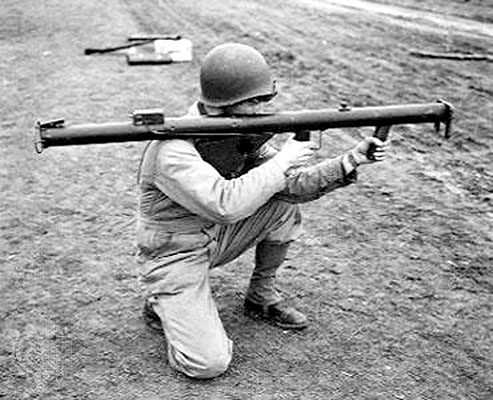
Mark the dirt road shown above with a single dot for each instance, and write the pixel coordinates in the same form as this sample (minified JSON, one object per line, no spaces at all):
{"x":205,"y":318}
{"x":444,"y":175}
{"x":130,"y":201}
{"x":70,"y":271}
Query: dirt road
{"x":409,"y":18}
{"x":394,"y":271}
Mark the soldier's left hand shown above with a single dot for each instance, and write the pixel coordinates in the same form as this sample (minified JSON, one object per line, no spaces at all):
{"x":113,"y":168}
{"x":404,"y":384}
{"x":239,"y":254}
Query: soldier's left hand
{"x":370,"y":150}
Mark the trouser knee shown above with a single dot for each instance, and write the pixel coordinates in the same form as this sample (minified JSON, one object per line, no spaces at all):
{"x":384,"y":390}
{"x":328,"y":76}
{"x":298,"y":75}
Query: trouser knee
{"x":210,"y":364}
{"x":287,"y":226}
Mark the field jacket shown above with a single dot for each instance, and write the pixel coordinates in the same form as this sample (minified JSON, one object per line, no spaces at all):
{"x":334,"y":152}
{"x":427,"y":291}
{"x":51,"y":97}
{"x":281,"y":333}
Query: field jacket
{"x":180,"y":193}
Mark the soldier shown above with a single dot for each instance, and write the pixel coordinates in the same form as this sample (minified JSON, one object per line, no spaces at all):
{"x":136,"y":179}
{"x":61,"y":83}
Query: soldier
{"x":193,"y":218}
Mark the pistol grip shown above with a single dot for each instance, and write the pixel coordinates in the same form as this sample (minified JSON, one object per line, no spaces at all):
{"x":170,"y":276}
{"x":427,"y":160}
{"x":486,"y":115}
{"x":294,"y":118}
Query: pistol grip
{"x":302,"y":136}
{"x":382,"y":133}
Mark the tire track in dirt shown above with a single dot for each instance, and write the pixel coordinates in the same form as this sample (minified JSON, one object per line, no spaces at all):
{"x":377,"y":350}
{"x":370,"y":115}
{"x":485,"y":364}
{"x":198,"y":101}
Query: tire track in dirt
{"x":200,"y":23}
{"x":270,"y":28}
{"x":408,"y":18}
{"x":214,"y":24}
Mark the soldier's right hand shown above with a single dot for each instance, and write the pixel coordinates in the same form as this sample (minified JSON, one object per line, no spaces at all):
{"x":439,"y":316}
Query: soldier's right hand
{"x":294,"y":153}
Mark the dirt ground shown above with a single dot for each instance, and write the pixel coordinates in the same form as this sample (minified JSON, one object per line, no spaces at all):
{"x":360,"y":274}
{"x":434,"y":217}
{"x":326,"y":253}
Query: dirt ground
{"x":395,"y":272}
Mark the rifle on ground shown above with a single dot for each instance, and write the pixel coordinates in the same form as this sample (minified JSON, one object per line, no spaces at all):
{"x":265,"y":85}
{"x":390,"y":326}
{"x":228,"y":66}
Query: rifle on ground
{"x":133,"y":41}
{"x":153,"y":125}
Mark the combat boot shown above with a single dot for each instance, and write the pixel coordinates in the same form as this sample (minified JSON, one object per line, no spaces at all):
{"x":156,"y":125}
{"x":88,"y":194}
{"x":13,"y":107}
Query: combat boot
{"x":151,"y":318}
{"x":279,"y":314}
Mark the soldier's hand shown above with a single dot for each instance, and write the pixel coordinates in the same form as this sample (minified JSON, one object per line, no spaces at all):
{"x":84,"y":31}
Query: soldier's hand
{"x":294,"y":153}
{"x":377,"y":148}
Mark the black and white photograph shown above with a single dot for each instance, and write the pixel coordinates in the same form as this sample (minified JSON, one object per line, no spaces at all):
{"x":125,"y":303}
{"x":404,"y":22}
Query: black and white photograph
{"x":246,"y":200}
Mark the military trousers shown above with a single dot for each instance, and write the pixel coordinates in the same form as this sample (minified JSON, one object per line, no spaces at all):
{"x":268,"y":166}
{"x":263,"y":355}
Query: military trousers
{"x":198,"y":344}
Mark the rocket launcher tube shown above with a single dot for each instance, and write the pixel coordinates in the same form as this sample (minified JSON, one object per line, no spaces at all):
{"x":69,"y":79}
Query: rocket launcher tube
{"x":152,"y":125}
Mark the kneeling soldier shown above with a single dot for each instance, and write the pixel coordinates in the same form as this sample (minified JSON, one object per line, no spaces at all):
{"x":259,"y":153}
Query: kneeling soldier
{"x":193,"y":218}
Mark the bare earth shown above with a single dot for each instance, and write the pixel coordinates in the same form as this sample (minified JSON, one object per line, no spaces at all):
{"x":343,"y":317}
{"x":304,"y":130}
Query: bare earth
{"x":410,"y":17}
{"x":394,"y":272}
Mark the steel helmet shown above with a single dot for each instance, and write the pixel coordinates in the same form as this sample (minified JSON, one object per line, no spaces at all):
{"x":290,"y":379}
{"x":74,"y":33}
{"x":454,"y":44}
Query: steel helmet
{"x":232,"y":73}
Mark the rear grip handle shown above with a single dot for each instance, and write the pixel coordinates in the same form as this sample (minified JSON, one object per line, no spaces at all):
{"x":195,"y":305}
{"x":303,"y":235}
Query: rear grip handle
{"x":302,"y":136}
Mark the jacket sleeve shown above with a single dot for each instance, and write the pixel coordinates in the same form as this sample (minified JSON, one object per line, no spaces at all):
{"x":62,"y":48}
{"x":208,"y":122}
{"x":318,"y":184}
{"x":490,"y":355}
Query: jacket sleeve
{"x":309,"y":183}
{"x":194,"y":184}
